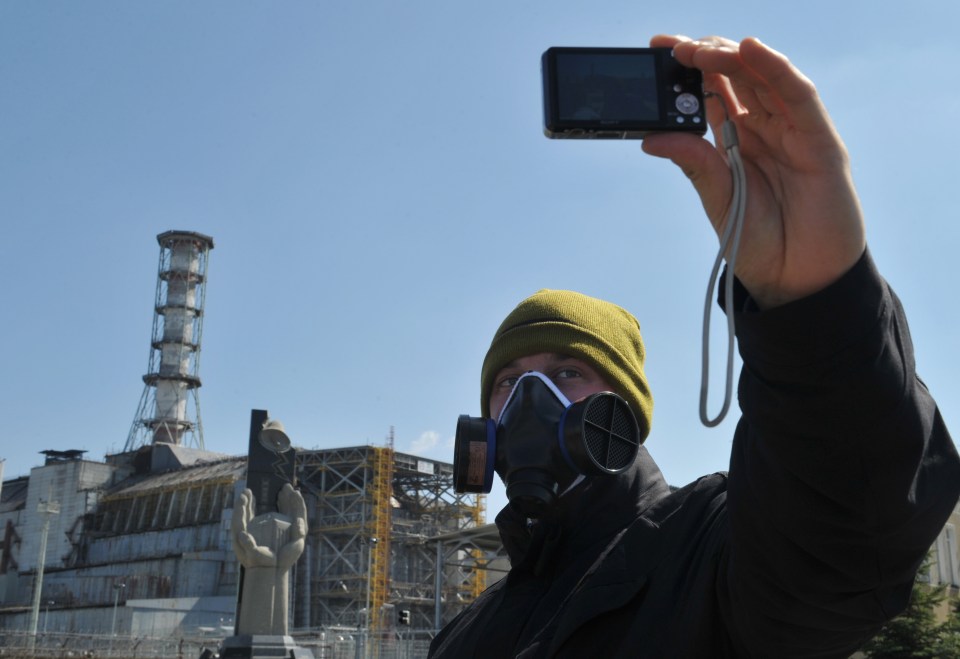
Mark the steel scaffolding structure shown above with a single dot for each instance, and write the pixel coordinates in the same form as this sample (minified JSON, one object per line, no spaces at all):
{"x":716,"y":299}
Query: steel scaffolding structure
{"x":173,"y":372}
{"x":164,"y":538}
{"x":373,"y":515}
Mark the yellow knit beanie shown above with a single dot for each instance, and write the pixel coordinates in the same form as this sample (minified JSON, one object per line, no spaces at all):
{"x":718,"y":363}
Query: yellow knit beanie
{"x":564,"y":322}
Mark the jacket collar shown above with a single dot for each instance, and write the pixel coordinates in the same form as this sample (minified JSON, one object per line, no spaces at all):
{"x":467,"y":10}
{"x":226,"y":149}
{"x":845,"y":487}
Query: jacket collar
{"x":587,"y":516}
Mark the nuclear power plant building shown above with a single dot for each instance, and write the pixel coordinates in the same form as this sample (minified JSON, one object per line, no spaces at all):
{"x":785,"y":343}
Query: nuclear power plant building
{"x":140,"y":545}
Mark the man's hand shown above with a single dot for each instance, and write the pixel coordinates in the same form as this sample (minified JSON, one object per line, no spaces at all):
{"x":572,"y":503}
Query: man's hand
{"x":804,"y":227}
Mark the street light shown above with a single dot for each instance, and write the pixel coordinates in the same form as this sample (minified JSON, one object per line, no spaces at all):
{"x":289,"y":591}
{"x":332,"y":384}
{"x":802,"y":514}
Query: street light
{"x":46,"y":614}
{"x":117,"y":587}
{"x":113,"y":626}
{"x":47,"y":510}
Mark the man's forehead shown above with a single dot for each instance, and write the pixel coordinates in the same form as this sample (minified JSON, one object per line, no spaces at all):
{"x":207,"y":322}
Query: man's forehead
{"x":548,"y":357}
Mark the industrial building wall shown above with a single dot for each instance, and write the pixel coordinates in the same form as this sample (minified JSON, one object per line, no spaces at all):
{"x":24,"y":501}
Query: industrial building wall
{"x":12,"y":505}
{"x":211,"y":539}
{"x":162,"y":540}
{"x":158,"y":546}
{"x":185,"y":572}
{"x":155,"y":618}
{"x":945,"y":555}
{"x":75,"y":485}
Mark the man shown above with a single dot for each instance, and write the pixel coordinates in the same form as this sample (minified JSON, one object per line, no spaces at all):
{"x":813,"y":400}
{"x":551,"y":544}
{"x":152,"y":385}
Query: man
{"x":842,"y":472}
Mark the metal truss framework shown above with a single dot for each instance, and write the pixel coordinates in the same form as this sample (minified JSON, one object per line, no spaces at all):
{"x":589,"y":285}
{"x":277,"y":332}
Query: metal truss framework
{"x":169,"y":407}
{"x":467,"y":556}
{"x":370,"y":553}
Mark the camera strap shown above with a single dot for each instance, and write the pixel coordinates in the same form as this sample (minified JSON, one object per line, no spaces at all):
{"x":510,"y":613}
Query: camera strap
{"x":729,"y":247}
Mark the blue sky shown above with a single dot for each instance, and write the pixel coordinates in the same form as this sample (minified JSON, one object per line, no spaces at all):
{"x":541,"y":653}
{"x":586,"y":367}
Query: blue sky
{"x":380,"y":193}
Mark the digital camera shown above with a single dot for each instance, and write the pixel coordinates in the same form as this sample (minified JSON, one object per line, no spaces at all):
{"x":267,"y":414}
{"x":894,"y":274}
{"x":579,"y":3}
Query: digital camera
{"x":619,"y":93}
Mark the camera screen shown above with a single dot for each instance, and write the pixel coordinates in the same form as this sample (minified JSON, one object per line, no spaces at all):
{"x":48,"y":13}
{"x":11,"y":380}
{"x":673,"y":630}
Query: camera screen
{"x":607,"y":87}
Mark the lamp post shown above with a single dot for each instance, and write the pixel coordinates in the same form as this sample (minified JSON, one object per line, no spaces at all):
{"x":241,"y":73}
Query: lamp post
{"x":46,"y":614}
{"x":47,"y":510}
{"x":117,"y":587}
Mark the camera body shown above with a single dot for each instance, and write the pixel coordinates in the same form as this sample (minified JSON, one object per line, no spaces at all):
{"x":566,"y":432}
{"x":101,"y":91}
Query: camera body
{"x":619,"y":93}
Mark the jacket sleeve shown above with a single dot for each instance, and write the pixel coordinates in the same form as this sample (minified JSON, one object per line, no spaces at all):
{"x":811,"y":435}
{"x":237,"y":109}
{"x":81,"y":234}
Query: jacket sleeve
{"x":841,"y":476}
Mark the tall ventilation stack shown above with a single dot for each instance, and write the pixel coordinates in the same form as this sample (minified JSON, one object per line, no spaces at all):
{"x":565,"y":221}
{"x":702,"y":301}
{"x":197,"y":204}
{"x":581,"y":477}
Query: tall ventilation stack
{"x":173,"y":372}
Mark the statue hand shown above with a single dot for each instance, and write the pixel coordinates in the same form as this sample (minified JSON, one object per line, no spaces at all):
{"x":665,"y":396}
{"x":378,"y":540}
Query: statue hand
{"x":291,"y":504}
{"x":253,"y":555}
{"x":246,"y":547}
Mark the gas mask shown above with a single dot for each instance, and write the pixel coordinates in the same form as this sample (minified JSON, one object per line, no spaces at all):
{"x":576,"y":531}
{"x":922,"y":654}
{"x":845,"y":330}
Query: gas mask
{"x":542,"y":444}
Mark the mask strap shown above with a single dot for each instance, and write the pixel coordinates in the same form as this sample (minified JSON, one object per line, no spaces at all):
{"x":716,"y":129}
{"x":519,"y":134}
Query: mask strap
{"x":543,"y":378}
{"x":576,"y":481}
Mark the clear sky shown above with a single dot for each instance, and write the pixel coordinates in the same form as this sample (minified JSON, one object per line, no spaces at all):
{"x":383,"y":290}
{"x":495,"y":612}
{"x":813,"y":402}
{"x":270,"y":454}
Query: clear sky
{"x":376,"y":180}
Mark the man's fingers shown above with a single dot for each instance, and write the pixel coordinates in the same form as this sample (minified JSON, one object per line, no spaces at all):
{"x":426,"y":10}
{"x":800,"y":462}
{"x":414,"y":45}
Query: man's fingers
{"x":763,"y":80}
{"x":667,"y":40}
{"x":701,"y":163}
{"x":788,"y":87}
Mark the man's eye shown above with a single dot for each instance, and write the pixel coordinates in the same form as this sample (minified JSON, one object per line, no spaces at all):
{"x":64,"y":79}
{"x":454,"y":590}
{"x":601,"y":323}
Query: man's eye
{"x":507,"y":382}
{"x":566,"y":373}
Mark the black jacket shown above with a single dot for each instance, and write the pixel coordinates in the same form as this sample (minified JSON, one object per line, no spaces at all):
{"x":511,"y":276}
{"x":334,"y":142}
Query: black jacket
{"x":841,"y":476}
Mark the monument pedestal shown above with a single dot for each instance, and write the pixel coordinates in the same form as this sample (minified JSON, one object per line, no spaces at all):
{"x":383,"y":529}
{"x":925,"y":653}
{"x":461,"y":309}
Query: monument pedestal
{"x":262,"y":646}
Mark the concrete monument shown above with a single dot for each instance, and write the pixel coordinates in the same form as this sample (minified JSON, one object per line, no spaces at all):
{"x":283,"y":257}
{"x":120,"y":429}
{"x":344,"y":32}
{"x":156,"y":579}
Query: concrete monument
{"x":268,"y":537}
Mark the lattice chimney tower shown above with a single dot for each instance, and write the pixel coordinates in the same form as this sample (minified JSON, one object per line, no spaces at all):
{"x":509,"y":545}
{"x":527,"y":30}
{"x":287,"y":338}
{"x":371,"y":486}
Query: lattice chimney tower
{"x":173,"y":374}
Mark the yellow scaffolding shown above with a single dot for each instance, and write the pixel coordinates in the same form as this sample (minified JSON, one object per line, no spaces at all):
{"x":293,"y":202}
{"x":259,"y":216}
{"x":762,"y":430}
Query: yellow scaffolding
{"x":381,"y":493}
{"x":372,"y":492}
{"x":478,"y":575}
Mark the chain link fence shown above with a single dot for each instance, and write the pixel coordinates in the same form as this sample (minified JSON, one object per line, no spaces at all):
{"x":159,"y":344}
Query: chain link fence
{"x":324,"y":644}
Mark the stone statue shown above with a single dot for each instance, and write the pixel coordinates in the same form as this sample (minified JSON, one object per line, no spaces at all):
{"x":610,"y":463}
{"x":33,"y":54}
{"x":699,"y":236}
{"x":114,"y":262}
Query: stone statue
{"x":267,"y":546}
